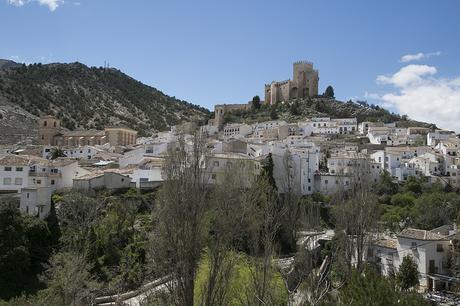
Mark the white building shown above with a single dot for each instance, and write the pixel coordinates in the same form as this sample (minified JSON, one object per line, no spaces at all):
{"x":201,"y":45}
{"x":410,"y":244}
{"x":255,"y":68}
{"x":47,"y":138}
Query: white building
{"x":237,"y":130}
{"x":36,"y":201}
{"x":429,"y":249}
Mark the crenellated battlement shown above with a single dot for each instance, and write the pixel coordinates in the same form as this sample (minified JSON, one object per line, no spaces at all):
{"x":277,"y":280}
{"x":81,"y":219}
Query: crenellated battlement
{"x":307,"y":63}
{"x":303,"y":84}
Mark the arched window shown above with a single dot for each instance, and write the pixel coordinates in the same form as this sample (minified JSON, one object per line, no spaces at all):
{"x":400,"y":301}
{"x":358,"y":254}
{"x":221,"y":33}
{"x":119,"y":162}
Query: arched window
{"x":45,"y":123}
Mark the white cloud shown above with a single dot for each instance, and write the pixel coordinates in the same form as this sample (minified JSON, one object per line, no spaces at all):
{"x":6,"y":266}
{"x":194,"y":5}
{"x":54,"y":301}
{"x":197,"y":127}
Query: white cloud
{"x":17,"y":2}
{"x":407,"y":75}
{"x":423,"y":96}
{"x":51,"y":4}
{"x":418,"y":56}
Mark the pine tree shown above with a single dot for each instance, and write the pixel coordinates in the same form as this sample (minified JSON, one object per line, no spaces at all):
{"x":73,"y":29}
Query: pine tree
{"x":329,"y":92}
{"x":53,"y":225}
{"x":407,"y":276}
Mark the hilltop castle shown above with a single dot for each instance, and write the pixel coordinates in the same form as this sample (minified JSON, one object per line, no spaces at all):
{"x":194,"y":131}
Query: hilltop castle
{"x":304,"y":84}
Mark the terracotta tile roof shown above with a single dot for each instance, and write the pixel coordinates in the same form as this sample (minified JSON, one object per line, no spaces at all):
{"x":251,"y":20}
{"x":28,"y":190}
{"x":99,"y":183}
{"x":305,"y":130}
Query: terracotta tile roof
{"x":419,"y":234}
{"x":21,"y":160}
{"x":386,"y":243}
{"x":83,"y":133}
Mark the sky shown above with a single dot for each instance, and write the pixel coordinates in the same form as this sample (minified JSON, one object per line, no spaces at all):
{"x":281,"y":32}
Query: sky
{"x":404,"y":55}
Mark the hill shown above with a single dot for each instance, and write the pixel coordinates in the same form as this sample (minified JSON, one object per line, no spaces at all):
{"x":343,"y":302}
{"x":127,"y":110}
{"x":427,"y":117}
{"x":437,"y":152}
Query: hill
{"x":299,"y":109}
{"x":83,"y":97}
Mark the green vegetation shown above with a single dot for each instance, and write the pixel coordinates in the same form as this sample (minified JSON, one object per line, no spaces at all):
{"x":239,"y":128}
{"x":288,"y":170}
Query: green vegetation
{"x":416,"y":204}
{"x":240,"y":284}
{"x":329,"y":92}
{"x":84,"y":97}
{"x":95,"y":244}
{"x":407,"y":276}
{"x":321,"y":106}
{"x":369,"y":288}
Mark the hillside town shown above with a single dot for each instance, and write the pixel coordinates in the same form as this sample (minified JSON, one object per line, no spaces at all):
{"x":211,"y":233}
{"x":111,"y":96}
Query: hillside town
{"x":319,"y":155}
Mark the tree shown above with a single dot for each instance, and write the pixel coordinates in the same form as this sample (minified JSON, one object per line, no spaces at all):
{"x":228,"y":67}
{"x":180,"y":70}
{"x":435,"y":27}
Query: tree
{"x":370,"y":288}
{"x":69,"y":281}
{"x":436,"y":209}
{"x":262,"y":214}
{"x":329,"y":92}
{"x":53,"y":225}
{"x":180,"y":219}
{"x":14,"y":254}
{"x":77,"y":214}
{"x":225,"y":235}
{"x":255,"y":104}
{"x":56,"y":153}
{"x":407,"y":276}
{"x":355,"y":214}
{"x":273,"y":112}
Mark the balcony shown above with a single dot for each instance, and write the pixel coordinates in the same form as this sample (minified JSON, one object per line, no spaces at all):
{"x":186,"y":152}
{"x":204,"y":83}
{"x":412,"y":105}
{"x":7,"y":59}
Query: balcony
{"x":43,"y":174}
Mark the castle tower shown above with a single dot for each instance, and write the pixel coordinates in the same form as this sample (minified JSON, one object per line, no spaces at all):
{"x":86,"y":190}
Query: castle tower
{"x":306,"y":78}
{"x":48,"y":128}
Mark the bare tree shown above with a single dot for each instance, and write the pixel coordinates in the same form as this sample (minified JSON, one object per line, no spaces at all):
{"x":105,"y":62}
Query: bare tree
{"x":262,"y":218}
{"x":356,"y":215}
{"x":225,"y":232}
{"x":180,"y":223}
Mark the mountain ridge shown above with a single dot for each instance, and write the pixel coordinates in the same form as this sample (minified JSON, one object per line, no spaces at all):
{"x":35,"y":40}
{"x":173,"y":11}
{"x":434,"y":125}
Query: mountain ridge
{"x":83,"y":98}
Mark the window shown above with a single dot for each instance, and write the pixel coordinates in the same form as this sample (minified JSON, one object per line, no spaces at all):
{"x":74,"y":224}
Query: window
{"x":7,"y":168}
{"x":52,"y":182}
{"x":19,"y":169}
{"x":28,"y":195}
{"x":439,"y":248}
{"x":325,"y":182}
{"x":18,"y":181}
{"x":39,"y":182}
{"x":7,"y":181}
{"x":213,"y":176}
{"x":122,"y":179}
{"x":215,"y":164}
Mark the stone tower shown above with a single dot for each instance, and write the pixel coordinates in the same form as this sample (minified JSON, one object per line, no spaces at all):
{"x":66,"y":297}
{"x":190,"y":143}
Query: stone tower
{"x":303,"y":84}
{"x":306,"y":79}
{"x":48,"y":128}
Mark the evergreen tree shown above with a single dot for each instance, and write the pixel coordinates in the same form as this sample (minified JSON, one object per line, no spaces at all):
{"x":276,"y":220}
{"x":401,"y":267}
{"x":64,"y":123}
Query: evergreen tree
{"x":53,"y":225}
{"x":273,"y":112}
{"x":407,"y":276}
{"x":255,"y":103}
{"x":14,"y":252}
{"x":329,"y":92}
{"x":267,"y":170}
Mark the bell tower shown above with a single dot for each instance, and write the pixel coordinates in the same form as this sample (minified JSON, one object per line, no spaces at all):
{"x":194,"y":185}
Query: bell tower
{"x":49,"y":127}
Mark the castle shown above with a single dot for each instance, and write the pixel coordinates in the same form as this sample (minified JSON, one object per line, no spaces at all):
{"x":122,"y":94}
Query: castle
{"x":50,"y":133}
{"x":304,"y":84}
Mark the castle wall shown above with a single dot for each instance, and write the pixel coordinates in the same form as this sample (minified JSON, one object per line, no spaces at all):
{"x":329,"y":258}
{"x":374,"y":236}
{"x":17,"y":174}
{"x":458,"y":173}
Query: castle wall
{"x":220,"y":109}
{"x":303,"y":84}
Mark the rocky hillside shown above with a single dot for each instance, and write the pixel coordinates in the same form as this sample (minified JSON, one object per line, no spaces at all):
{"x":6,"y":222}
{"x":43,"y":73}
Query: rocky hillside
{"x":299,"y":109}
{"x":83,"y":97}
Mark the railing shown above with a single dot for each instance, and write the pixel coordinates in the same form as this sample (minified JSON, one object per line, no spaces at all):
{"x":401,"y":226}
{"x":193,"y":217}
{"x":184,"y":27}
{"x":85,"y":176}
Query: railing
{"x":44,"y":174}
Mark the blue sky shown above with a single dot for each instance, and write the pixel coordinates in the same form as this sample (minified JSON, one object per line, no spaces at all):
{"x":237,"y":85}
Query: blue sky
{"x":209,"y":52}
